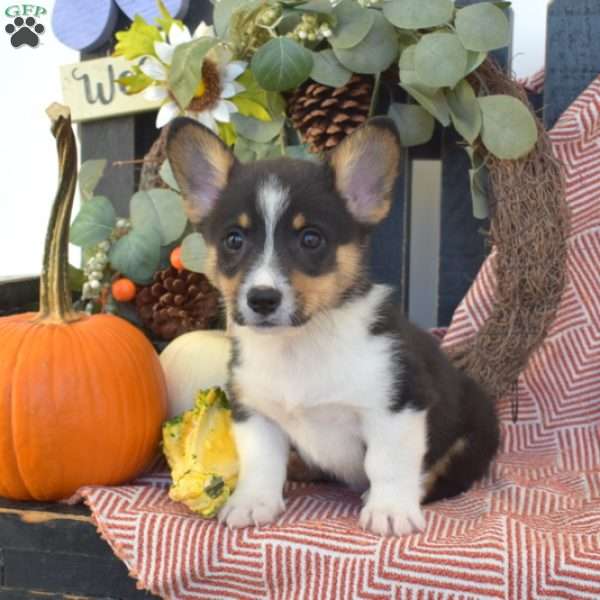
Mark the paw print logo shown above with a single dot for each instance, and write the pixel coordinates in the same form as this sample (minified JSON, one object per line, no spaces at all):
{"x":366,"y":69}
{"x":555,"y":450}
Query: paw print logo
{"x":24,"y":31}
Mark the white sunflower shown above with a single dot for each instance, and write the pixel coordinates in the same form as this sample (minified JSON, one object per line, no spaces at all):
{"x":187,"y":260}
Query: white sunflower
{"x":211,"y":104}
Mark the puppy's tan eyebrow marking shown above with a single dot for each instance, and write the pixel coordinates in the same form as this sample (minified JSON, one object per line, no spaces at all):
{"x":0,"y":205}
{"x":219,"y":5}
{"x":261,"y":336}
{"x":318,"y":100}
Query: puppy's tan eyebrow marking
{"x":299,"y":221}
{"x":244,"y":221}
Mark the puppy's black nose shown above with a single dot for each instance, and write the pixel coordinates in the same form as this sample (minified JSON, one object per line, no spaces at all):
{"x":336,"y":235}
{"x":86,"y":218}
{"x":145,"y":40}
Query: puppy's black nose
{"x":264,"y":300}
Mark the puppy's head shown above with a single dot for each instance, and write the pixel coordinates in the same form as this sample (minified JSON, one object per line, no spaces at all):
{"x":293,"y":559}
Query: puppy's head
{"x":286,"y":238}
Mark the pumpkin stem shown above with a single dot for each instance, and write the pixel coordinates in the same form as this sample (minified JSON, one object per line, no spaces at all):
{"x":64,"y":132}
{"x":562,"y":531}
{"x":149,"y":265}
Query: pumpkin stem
{"x":55,"y":296}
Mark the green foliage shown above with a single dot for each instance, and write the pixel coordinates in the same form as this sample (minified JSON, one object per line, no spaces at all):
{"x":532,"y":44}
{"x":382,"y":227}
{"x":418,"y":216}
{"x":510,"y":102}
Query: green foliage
{"x":353,"y":23}
{"x":255,"y":130}
{"x":415,"y":125}
{"x":479,"y":181}
{"x":76,"y":278}
{"x":186,"y":69}
{"x":465,"y":111}
{"x":281,"y":64}
{"x":94,"y":223}
{"x":160,"y":210}
{"x":135,"y":81}
{"x":137,"y":254}
{"x":434,"y":103}
{"x":375,"y":52}
{"x":509,"y":130}
{"x":223,"y":13}
{"x":90,"y":173}
{"x":418,"y":14}
{"x":166,"y":174}
{"x":193,"y":252}
{"x":138,"y":40}
{"x":248,"y":150}
{"x":300,"y":152}
{"x":482,"y":27}
{"x":440,"y":59}
{"x":327,"y":70}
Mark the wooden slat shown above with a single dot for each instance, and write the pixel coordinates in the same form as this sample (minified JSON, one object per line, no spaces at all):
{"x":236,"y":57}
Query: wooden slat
{"x":389,"y":259}
{"x":572,"y":54}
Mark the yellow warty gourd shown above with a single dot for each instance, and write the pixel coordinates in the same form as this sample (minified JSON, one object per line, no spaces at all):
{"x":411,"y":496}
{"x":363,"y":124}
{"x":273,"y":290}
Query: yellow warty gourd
{"x":201,"y":453}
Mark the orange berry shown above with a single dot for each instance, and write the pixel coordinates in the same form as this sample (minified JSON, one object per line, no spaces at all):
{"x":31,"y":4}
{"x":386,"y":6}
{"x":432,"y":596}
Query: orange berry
{"x":176,"y":261}
{"x":123,"y":290}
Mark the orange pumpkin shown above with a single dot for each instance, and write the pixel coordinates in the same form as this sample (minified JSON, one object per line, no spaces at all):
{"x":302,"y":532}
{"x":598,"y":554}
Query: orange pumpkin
{"x":82,"y":398}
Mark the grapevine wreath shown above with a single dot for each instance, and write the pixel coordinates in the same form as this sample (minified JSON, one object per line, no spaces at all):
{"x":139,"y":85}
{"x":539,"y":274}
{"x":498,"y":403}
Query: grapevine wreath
{"x":293,"y":78}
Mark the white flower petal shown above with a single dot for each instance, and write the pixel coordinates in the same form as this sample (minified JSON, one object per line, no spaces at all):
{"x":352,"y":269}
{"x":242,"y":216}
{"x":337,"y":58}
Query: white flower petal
{"x":207,"y":120}
{"x":228,"y":90}
{"x":155,"y":92}
{"x":179,"y":35}
{"x":153,"y":68}
{"x":204,"y":30}
{"x":222,"y":111}
{"x":164,"y":51}
{"x":239,"y":88}
{"x":233,"y":70}
{"x":166,"y":113}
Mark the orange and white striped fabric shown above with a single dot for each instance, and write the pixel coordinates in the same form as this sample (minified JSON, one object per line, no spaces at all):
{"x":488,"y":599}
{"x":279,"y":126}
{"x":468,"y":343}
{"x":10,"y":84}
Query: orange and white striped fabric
{"x":530,"y":531}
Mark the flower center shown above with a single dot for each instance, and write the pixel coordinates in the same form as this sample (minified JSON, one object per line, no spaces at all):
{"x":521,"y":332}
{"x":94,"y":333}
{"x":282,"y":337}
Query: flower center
{"x":208,"y":91}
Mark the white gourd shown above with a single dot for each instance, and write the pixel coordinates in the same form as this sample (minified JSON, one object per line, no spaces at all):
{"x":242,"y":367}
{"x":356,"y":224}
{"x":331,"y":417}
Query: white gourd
{"x":192,"y":362}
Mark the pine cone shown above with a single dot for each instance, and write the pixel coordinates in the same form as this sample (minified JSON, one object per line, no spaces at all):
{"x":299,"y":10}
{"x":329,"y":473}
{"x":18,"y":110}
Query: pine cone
{"x":178,"y":302}
{"x":324,"y":116}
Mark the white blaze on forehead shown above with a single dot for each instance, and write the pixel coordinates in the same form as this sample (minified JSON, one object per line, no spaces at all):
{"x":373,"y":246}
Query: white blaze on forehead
{"x":272,"y":200}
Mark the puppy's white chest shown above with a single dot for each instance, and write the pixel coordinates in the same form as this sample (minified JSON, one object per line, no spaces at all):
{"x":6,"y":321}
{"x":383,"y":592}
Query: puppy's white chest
{"x":316,"y":383}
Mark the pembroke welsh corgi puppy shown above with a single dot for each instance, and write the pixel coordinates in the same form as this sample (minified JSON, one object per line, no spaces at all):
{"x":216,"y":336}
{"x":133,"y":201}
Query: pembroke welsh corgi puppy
{"x":322,"y":359}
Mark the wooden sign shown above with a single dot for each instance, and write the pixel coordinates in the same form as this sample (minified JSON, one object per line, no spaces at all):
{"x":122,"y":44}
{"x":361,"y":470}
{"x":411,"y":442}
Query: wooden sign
{"x":91,"y":91}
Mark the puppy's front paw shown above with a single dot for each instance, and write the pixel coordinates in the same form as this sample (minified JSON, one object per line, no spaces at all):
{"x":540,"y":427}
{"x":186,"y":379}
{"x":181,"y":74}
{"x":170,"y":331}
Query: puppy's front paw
{"x":389,"y":517}
{"x":244,"y":510}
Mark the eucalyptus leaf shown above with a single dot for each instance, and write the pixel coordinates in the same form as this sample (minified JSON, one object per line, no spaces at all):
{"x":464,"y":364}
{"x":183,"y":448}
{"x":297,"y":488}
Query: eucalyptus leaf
{"x":324,"y":7}
{"x":327,"y":69}
{"x":509,"y":130}
{"x":353,"y":23}
{"x":418,"y":14}
{"x":186,"y":68}
{"x":415,"y":125}
{"x":482,"y":27}
{"x":256,"y":130}
{"x":166,"y":174}
{"x":474,"y":60}
{"x":502,"y":5}
{"x":94,"y":222}
{"x":465,"y":111}
{"x":90,"y":173}
{"x":222,"y":13}
{"x":440,"y":59}
{"x":301,"y":152}
{"x":375,"y":53}
{"x":435,"y":104}
{"x":193,"y":252}
{"x":137,"y":254}
{"x":248,"y":151}
{"x":281,"y":64}
{"x":408,"y":74}
{"x":159,"y":209}
{"x":479,"y":192}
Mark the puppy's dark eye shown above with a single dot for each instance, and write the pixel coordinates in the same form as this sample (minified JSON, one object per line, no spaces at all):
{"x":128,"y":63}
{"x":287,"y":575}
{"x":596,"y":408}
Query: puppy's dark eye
{"x":311,"y":239}
{"x":234,"y":240}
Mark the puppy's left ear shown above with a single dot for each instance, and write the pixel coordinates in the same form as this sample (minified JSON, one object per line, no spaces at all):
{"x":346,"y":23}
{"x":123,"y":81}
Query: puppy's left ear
{"x":365,"y":166}
{"x":201,"y":163}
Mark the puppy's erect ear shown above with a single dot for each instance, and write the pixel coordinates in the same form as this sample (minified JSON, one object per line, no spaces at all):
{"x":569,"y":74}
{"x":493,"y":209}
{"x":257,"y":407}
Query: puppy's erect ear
{"x":201,"y":164}
{"x":366,"y":165}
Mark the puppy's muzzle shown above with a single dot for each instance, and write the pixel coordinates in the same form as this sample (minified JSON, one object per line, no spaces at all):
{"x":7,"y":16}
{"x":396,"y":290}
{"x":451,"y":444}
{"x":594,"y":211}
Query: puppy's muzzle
{"x":264,"y":300}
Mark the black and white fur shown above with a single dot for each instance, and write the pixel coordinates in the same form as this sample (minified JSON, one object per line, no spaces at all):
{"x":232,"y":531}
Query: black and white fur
{"x":322,"y":358}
